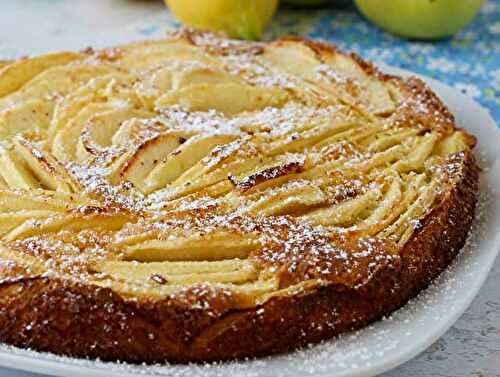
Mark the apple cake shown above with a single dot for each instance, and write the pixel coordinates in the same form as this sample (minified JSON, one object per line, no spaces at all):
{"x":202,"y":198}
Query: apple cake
{"x":197,"y":198}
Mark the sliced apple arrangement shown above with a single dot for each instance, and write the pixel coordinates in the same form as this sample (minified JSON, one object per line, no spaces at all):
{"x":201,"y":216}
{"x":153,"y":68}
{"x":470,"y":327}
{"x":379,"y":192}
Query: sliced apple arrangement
{"x":165,"y":164}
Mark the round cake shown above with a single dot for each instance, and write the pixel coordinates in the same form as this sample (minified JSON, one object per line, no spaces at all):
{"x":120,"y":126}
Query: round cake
{"x":196,"y":198}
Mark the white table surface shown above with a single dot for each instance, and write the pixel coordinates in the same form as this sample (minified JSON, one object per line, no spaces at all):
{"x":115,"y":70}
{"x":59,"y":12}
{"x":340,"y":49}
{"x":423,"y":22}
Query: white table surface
{"x":470,"y":348}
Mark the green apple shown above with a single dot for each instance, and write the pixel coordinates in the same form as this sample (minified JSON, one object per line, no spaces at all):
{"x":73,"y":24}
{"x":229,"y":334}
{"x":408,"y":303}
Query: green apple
{"x":422,"y":19}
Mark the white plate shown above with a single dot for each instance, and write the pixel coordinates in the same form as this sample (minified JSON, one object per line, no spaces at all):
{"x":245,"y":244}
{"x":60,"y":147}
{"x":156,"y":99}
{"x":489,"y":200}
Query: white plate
{"x":377,"y":348}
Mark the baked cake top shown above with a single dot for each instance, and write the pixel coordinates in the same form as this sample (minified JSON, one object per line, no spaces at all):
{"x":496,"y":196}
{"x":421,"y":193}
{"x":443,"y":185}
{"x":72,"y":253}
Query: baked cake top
{"x":216,"y":173}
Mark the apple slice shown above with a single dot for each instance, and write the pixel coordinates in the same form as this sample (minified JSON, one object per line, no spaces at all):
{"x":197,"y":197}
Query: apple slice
{"x":59,"y":79}
{"x":456,"y":142}
{"x":65,"y":139}
{"x":68,"y":78}
{"x":198,"y":73}
{"x":205,"y":180}
{"x":208,"y":247}
{"x":174,"y":268}
{"x":44,"y":167}
{"x":75,"y":221}
{"x":182,"y":159}
{"x":414,"y":184}
{"x":146,"y":54}
{"x":351,"y":135}
{"x":386,"y":211}
{"x":10,"y":220}
{"x":219,"y":156}
{"x":416,"y":159}
{"x":65,"y":111}
{"x":30,"y":114}
{"x":21,"y":71}
{"x":100,"y":129}
{"x":290,"y":200}
{"x":297,"y":142}
{"x":394,"y":137}
{"x":378,"y":159}
{"x":16,"y":172}
{"x":91,"y":92}
{"x":115,"y":169}
{"x":148,"y":155}
{"x":38,"y":199}
{"x":345,"y":213}
{"x":135,"y":130}
{"x":268,"y":171}
{"x":403,"y":227}
{"x":297,"y":59}
{"x":228,"y":98}
{"x":232,"y":158}
{"x":162,"y":273}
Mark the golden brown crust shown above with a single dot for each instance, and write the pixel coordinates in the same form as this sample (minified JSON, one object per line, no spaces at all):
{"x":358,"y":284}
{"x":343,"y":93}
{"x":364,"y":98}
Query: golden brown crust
{"x":75,"y":318}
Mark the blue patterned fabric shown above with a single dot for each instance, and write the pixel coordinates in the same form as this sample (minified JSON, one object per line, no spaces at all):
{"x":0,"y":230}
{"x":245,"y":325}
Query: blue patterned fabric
{"x":470,"y":61}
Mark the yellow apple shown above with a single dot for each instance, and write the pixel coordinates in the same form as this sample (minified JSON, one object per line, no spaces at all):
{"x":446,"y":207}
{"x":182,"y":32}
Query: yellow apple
{"x":423,"y":19}
{"x":244,"y":19}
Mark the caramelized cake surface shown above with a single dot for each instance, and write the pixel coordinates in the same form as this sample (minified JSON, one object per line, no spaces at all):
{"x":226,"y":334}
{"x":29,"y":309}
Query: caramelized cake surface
{"x":197,"y":198}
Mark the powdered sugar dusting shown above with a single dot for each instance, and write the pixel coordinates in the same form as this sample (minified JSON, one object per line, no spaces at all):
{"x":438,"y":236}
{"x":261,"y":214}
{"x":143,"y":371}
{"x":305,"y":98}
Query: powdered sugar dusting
{"x":296,"y":181}
{"x":352,"y":353}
